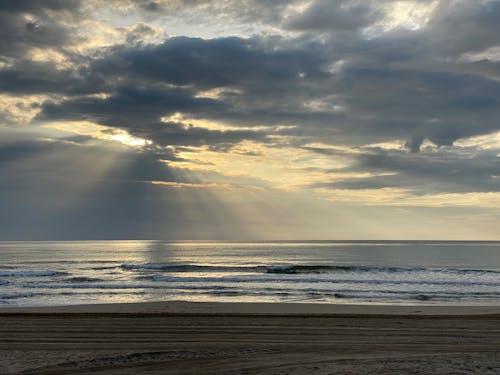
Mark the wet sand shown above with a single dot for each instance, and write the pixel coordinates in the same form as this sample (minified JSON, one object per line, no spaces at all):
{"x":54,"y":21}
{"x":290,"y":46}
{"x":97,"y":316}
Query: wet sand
{"x":226,"y":338}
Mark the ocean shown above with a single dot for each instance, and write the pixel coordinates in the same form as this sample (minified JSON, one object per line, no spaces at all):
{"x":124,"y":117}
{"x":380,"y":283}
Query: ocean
{"x":340,"y":272}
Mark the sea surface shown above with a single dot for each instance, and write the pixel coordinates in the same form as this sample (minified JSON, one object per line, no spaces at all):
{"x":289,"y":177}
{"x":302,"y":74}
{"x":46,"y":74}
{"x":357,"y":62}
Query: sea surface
{"x":358,"y":272}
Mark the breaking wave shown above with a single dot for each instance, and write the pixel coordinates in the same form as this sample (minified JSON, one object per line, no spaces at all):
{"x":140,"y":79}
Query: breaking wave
{"x":294,"y":269}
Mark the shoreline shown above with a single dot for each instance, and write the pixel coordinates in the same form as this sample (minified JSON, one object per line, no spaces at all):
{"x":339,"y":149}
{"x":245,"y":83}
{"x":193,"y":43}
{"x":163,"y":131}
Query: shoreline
{"x":255,"y":308}
{"x":183,"y":338}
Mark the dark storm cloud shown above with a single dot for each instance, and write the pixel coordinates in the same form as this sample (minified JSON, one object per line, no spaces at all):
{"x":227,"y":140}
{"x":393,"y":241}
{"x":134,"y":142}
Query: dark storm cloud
{"x":36,"y":6}
{"x":392,"y":86}
{"x":128,"y":106}
{"x":417,"y":105}
{"x":139,"y":110}
{"x":212,"y":63}
{"x":180,"y":134}
{"x":252,"y":66}
{"x":386,"y":95}
{"x":28,"y":24}
{"x":438,"y":172}
{"x":28,"y":77}
{"x":267,"y":80}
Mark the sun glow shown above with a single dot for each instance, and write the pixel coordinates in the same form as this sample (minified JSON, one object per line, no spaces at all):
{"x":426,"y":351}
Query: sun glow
{"x":191,"y":185}
{"x":409,"y":15}
{"x":20,"y":109}
{"x":48,"y":55}
{"x":129,"y":140}
{"x":292,"y":169}
{"x":484,"y":142}
{"x":179,"y":117}
{"x":93,"y":130}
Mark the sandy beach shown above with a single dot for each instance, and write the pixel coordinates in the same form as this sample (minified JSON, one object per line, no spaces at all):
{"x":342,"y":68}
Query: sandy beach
{"x":249,"y":338}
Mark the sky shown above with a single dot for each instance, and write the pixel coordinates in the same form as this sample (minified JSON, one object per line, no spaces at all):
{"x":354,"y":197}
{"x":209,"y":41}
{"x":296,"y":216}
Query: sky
{"x":249,"y":119}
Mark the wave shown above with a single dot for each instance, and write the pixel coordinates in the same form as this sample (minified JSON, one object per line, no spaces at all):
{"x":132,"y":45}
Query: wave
{"x":18,"y":295}
{"x":130,"y":286}
{"x":317,"y":269}
{"x":14,"y":296}
{"x":356,"y":296}
{"x":31,"y":273}
{"x":82,"y":279}
{"x":285,"y":293}
{"x":169,"y":267}
{"x":239,"y":292}
{"x":265,"y":288}
{"x":61,"y":261}
{"x":294,"y":269}
{"x":273,"y":268}
{"x":291,"y":280}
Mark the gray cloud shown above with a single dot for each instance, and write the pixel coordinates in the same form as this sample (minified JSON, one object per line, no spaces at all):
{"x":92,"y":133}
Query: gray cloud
{"x":213,"y":63}
{"x":34,"y":6}
{"x":251,"y":66}
{"x":418,"y":105}
{"x":128,"y":106}
{"x":277,"y":76}
{"x":180,"y":134}
{"x":336,"y":15}
{"x":318,"y":70}
{"x":381,"y":99}
{"x":28,"y":77}
{"x":464,"y":26}
{"x":206,"y":11}
{"x":139,"y":111}
{"x":28,"y":24}
{"x":425,"y":173}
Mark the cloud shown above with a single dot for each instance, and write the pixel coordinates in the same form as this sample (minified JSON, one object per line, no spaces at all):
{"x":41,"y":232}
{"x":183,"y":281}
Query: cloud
{"x":430,"y":172}
{"x":462,"y":26}
{"x":28,"y":24}
{"x":128,"y":106}
{"x":213,"y":63}
{"x":316,"y":87}
{"x":138,"y":101}
{"x":337,"y":15}
{"x":280,"y":80}
{"x":354,"y":92}
{"x":28,"y":77}
{"x":140,"y":111}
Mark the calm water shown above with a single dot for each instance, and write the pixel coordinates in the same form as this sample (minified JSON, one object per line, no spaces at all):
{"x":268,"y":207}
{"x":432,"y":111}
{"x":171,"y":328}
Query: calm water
{"x":55,"y":273}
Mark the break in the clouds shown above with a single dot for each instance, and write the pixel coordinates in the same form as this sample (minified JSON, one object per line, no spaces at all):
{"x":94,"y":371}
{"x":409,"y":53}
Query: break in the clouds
{"x":250,"y":119}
